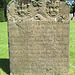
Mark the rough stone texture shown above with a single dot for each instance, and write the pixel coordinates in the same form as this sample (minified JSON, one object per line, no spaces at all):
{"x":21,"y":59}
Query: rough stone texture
{"x":38,"y":34}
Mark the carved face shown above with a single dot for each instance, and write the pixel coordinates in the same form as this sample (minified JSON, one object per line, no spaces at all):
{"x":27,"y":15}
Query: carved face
{"x":54,"y":10}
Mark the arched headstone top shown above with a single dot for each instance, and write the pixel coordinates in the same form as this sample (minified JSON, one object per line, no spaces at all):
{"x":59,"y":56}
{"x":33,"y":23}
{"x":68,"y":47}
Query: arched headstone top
{"x":41,"y":10}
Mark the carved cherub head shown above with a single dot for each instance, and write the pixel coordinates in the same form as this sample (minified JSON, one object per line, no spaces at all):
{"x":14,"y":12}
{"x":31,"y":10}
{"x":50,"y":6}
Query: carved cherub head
{"x":52,"y":8}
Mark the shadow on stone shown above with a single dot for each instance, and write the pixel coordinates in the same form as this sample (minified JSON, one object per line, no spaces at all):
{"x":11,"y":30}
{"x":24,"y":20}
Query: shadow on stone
{"x":4,"y":65}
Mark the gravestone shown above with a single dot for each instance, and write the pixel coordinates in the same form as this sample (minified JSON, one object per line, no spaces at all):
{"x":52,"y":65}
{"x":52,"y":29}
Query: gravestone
{"x":38,"y":35}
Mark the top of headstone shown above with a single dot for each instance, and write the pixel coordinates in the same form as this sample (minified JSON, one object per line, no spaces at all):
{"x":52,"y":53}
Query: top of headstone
{"x":41,"y":10}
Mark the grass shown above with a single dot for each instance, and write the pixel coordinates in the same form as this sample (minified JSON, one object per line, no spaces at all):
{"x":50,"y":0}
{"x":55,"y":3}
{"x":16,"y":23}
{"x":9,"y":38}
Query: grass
{"x":3,"y":41}
{"x":72,"y":48}
{"x":4,"y":53}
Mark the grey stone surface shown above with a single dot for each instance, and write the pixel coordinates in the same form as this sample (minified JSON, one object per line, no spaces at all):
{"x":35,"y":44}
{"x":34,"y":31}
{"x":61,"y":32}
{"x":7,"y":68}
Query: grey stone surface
{"x":38,"y":34}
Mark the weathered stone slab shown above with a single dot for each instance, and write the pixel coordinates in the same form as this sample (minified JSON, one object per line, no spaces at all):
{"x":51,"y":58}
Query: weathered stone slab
{"x":38,"y":38}
{"x":39,"y":47}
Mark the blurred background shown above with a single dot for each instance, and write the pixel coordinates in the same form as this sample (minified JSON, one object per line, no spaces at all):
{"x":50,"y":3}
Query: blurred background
{"x":3,"y":7}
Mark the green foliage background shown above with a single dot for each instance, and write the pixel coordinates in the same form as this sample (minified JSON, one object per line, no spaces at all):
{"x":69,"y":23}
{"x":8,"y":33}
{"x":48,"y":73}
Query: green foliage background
{"x":2,"y":17}
{"x":37,"y":0}
{"x":71,"y":10}
{"x":3,"y":7}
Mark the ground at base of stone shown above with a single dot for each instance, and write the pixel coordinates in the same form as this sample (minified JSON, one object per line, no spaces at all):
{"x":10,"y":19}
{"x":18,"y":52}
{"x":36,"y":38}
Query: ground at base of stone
{"x":38,"y":74}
